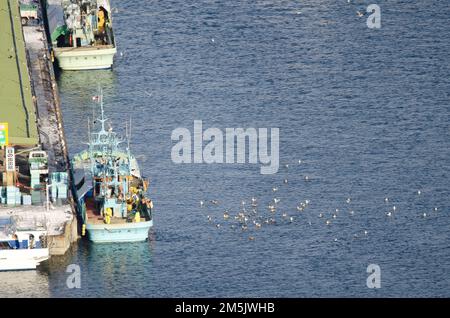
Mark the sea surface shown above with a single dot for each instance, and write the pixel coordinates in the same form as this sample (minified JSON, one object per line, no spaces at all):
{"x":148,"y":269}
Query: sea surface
{"x":367,"y":111}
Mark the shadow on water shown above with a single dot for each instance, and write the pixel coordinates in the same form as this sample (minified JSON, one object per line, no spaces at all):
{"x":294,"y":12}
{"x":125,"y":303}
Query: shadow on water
{"x":81,"y":86}
{"x":104,"y":276}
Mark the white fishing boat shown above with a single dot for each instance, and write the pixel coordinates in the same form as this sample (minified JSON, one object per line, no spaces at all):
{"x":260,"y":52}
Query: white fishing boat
{"x":81,"y":33}
{"x":21,"y":248}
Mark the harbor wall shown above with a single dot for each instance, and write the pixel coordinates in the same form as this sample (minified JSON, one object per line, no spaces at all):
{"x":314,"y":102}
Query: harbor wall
{"x":50,"y":120}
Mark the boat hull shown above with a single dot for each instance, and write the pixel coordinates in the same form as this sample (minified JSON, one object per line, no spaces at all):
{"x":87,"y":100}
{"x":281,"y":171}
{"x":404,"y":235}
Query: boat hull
{"x":74,"y":59}
{"x":22,"y":259}
{"x":112,"y":233}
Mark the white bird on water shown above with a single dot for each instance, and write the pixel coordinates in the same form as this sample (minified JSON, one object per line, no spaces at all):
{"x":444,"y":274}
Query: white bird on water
{"x":274,"y":189}
{"x":394,"y":208}
{"x":306,"y":178}
{"x":389,"y":213}
{"x":386,"y":199}
{"x":348,"y":200}
{"x":424,"y":215}
{"x":285,"y":181}
{"x":328,"y":222}
{"x":291,"y":219}
{"x":419,"y":192}
{"x":202,"y":203}
{"x":352,"y":212}
{"x":320,"y":215}
{"x":300,"y":161}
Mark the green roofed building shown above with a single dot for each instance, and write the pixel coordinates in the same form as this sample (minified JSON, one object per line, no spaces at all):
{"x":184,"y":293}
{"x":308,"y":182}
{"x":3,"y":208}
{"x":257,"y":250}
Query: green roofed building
{"x":16,"y":101}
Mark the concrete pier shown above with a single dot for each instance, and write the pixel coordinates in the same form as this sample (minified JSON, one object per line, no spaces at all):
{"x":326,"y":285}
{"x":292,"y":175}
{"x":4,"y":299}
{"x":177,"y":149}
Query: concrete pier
{"x":29,"y":103}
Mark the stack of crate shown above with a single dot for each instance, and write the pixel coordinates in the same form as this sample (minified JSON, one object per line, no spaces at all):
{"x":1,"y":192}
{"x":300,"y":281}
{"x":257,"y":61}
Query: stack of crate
{"x":26,"y":199}
{"x":13,"y":196}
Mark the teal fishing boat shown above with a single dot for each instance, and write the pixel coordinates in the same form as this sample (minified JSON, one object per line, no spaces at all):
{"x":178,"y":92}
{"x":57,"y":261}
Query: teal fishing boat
{"x":109,"y":189}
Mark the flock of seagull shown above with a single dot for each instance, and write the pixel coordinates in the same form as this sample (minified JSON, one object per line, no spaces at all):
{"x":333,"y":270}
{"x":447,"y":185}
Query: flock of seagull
{"x":253,"y":215}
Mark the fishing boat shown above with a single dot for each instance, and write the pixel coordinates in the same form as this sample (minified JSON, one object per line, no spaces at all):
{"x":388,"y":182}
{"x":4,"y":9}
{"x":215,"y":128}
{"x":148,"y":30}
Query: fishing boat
{"x":109,"y":189}
{"x":82,"y":34}
{"x":21,"y":248}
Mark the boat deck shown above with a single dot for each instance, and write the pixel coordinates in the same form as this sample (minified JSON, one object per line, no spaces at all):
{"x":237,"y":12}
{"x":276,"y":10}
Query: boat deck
{"x":95,"y":218}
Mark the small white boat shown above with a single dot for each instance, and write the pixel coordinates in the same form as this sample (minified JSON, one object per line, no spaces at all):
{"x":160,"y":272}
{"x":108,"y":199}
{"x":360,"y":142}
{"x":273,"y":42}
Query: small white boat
{"x":21,"y":249}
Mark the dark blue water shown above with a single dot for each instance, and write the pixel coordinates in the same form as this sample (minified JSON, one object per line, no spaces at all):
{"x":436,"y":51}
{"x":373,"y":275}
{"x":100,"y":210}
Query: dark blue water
{"x":367,"y":112}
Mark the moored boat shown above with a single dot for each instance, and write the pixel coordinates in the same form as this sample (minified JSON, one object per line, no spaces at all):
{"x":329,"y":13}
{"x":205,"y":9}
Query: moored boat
{"x":109,"y":189}
{"x":81,"y":33}
{"x":21,"y":248}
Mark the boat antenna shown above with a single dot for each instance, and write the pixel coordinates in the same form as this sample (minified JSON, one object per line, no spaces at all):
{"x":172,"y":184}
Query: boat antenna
{"x":102,"y":118}
{"x":129,"y":135}
{"x":89,"y":129}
